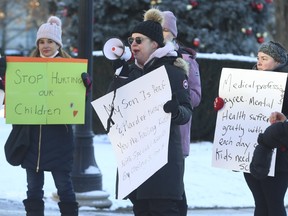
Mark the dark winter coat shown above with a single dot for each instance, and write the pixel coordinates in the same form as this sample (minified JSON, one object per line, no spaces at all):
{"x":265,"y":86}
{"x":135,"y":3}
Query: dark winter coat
{"x":51,"y":148}
{"x":166,"y":183}
{"x":277,"y":132}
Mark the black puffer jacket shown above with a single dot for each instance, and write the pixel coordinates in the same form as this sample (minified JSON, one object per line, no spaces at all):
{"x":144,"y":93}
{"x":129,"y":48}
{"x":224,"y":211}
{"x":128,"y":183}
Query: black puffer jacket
{"x":51,"y":148}
{"x":166,"y":183}
{"x":277,"y":132}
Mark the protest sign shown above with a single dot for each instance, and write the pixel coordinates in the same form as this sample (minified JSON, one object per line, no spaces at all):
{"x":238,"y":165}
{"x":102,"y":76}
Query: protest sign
{"x":141,"y":131}
{"x":45,"y":90}
{"x":250,"y":96}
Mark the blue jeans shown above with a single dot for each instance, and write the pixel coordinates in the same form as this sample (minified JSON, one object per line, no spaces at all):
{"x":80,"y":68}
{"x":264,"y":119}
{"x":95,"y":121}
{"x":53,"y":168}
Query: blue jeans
{"x":62,"y":180}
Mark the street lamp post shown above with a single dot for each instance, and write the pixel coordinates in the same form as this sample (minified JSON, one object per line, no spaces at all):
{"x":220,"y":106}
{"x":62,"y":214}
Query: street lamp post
{"x":86,"y":175}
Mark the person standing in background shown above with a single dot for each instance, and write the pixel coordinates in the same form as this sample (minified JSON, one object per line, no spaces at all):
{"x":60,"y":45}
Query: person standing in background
{"x":269,"y":192}
{"x":170,"y":33}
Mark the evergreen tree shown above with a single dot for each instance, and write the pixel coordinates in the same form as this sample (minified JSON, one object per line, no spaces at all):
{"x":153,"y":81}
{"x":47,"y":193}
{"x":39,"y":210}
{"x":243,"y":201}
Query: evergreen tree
{"x":220,"y":26}
{"x":115,"y":19}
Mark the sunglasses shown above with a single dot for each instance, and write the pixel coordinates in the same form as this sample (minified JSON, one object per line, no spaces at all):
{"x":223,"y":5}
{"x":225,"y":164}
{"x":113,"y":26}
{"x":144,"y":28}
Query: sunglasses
{"x":138,"y":40}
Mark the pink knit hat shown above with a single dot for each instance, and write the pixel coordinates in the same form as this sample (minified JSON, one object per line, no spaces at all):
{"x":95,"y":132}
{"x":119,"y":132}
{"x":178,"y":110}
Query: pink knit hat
{"x":51,"y":30}
{"x":170,"y":22}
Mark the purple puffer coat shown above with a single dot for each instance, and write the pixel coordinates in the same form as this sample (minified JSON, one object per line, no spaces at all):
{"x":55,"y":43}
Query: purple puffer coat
{"x":195,"y":94}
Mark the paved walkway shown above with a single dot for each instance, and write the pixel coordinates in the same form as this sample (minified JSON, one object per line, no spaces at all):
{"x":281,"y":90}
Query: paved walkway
{"x":211,"y":212}
{"x":13,"y":208}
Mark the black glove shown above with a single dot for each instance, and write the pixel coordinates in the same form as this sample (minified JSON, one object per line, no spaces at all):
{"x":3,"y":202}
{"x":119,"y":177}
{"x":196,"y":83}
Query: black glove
{"x":2,"y":85}
{"x":274,"y":135}
{"x":172,"y":106}
{"x":118,"y":63}
{"x":3,"y":66}
{"x":121,"y":63}
{"x":87,"y":82}
{"x":261,"y":162}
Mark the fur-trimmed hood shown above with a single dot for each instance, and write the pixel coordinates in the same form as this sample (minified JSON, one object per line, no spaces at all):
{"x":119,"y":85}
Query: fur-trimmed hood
{"x":181,"y":63}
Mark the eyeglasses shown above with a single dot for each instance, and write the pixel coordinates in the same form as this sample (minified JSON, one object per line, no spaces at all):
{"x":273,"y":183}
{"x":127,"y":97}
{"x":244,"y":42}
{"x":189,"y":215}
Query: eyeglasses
{"x":138,"y":40}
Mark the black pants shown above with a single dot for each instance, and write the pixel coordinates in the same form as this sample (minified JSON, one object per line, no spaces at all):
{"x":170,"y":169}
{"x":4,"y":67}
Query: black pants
{"x":268,"y":194}
{"x":182,"y":205}
{"x":155,"y":207}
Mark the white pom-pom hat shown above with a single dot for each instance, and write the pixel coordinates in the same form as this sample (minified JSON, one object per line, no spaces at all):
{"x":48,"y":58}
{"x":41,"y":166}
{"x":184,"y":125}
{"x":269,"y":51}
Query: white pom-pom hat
{"x":51,"y":30}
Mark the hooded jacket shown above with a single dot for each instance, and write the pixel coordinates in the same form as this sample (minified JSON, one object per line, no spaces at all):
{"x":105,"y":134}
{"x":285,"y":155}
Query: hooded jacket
{"x":194,"y":81}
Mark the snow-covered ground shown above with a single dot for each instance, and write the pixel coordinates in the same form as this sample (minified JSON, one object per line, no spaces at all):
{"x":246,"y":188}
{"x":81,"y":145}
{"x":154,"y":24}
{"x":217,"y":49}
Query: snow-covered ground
{"x":206,"y":186}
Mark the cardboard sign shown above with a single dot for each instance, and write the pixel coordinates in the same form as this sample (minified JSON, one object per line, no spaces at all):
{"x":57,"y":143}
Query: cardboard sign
{"x":250,"y":97}
{"x":45,"y":90}
{"x":141,"y":131}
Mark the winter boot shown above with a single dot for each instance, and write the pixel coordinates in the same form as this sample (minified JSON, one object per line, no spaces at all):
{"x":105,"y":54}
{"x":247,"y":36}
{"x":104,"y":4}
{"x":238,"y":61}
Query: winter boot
{"x":34,"y":207}
{"x":68,"y":208}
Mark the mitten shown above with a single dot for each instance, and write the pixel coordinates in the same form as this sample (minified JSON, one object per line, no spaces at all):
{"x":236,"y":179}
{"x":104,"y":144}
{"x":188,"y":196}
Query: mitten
{"x":274,"y":135}
{"x":121,"y":68}
{"x":118,"y":63}
{"x":218,"y":103}
{"x":87,"y":82}
{"x":172,"y":106}
{"x":261,"y":162}
{"x":3,"y":66}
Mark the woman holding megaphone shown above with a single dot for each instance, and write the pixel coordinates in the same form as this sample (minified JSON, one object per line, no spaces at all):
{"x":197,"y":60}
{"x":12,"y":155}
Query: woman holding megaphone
{"x":159,"y":194}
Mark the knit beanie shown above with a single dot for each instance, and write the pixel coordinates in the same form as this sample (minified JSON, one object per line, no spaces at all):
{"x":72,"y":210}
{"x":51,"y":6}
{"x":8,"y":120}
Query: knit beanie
{"x":151,"y":26}
{"x":275,"y":50}
{"x":51,"y":30}
{"x":170,"y":22}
